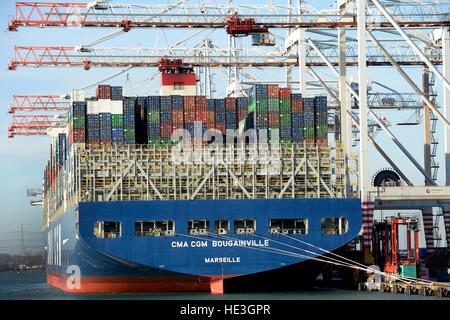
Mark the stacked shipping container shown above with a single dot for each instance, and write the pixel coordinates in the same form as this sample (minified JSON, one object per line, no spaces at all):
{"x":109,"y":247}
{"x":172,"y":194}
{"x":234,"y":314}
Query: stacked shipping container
{"x":275,"y":113}
{"x":128,"y":120}
{"x":308,"y":121}
{"x":165,"y":119}
{"x":258,"y":111}
{"x":178,"y":113}
{"x":93,"y":123}
{"x":116,"y":121}
{"x":153,"y":119}
{"x":285,"y":115}
{"x":220,"y":115}
{"x":320,"y":120}
{"x":109,"y":118}
{"x":297,"y":118}
{"x":76,"y":123}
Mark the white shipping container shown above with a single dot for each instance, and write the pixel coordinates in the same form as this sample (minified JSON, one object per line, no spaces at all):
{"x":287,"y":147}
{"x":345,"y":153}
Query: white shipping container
{"x":116,"y":106}
{"x":104,"y":105}
{"x":77,"y":96}
{"x":92,"y":107}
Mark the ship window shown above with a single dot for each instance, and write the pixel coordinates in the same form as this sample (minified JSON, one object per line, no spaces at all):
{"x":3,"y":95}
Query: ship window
{"x":107,"y":229}
{"x":244,"y":226}
{"x":334,"y":225}
{"x":221,"y":226}
{"x":178,"y":85}
{"x":288,"y":226}
{"x":154,"y":228}
{"x":198,"y":227}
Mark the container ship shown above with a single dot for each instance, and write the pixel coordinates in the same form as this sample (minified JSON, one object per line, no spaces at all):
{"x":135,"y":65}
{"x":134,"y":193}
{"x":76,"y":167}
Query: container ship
{"x":179,"y":192}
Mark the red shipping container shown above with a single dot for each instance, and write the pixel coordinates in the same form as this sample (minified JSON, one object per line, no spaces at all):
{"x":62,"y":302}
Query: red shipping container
{"x":273,"y":91}
{"x":210,"y":125}
{"x":200,"y":115}
{"x":230,"y":103}
{"x":274,"y":118}
{"x":177,"y":116}
{"x":166,"y":130}
{"x":221,"y":126}
{"x":103,"y":92}
{"x":178,"y":126}
{"x":189,"y":116}
{"x":200,"y":109}
{"x":79,"y":136}
{"x":200,"y":102}
{"x":322,"y":141}
{"x":189,"y":103}
{"x":210,"y":116}
{"x":309,"y":141}
{"x":285,"y":93}
{"x":296,"y":106}
{"x":241,"y":114}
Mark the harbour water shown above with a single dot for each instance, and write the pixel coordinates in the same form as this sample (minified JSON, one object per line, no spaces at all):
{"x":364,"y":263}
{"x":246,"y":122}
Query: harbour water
{"x":33,"y":286}
{"x":29,"y":293}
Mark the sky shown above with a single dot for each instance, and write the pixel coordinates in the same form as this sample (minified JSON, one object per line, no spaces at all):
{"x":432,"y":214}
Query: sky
{"x":23,"y":158}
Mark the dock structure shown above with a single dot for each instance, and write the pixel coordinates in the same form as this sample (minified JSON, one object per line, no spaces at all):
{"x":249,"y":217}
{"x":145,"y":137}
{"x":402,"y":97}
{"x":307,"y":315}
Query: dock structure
{"x":436,"y":289}
{"x":423,"y":198}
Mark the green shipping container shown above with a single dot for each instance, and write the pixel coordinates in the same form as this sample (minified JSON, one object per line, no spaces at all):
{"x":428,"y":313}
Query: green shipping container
{"x":408,"y":271}
{"x":128,"y":133}
{"x":167,"y":141}
{"x":273,"y":104}
{"x":117,"y":120}
{"x":321,"y":131}
{"x":308,"y":132}
{"x":154,"y":141}
{"x":78,"y":122}
{"x":285,"y":105}
{"x":260,"y":104}
{"x":285,"y":119}
{"x":274,"y":133}
{"x":286,"y":140}
{"x":153,"y":116}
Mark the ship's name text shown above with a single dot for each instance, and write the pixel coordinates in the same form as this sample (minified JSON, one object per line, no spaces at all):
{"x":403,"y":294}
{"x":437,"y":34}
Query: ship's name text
{"x":220,"y":243}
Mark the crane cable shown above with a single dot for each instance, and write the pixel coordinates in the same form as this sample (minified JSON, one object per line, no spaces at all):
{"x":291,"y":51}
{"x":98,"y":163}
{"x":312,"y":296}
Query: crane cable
{"x":324,"y":259}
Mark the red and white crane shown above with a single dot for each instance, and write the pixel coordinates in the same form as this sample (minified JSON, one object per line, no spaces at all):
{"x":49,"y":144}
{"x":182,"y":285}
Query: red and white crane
{"x":34,"y":124}
{"x":183,"y":15}
{"x":38,"y":102}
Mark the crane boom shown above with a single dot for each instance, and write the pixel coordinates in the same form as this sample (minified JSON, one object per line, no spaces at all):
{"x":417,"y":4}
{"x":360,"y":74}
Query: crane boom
{"x":204,"y":15}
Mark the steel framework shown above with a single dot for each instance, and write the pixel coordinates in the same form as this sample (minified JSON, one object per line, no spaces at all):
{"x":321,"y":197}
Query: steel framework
{"x":210,"y":57}
{"x":99,"y":14}
{"x":33,"y":124}
{"x":162,"y":172}
{"x":38,"y":102}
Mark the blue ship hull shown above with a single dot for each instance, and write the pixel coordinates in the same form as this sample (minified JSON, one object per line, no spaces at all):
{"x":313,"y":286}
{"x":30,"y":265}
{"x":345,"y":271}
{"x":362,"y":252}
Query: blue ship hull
{"x":79,"y":261}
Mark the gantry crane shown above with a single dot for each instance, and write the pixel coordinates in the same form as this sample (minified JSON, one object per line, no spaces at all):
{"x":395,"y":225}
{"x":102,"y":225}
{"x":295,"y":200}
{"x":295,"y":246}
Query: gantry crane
{"x":33,"y":124}
{"x":38,"y":102}
{"x":101,"y":14}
